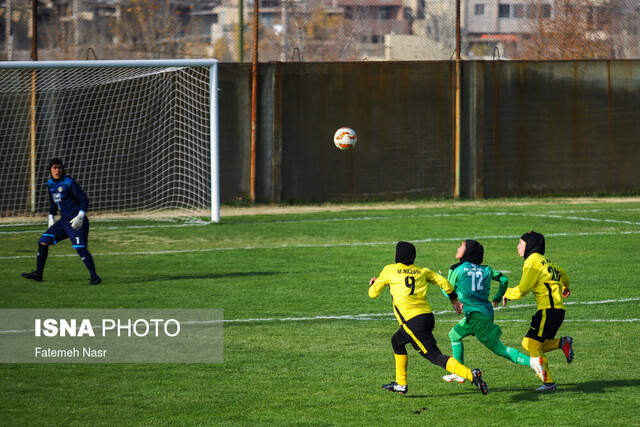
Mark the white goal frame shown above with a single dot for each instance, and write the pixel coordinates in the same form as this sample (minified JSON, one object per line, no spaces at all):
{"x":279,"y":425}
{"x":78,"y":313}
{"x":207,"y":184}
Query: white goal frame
{"x":212,"y":66}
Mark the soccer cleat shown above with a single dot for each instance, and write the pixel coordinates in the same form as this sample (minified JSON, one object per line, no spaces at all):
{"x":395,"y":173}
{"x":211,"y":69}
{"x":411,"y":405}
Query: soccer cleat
{"x":95,"y":281}
{"x":547,"y":387}
{"x":478,"y":381}
{"x":536,"y":365}
{"x":566,"y":344}
{"x":395,"y":387}
{"x":34,"y":275}
{"x":453,"y":378}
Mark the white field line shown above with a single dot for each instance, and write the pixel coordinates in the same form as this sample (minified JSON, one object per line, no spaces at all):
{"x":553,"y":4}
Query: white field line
{"x":594,"y":210}
{"x":110,"y":227}
{"x":331,"y":245}
{"x":283,"y":221}
{"x":578,"y":218}
{"x":375,"y":316}
{"x":551,"y":214}
{"x":349,"y":317}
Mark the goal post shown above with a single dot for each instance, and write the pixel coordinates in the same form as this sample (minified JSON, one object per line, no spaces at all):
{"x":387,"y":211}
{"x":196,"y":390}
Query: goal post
{"x":140,"y":136}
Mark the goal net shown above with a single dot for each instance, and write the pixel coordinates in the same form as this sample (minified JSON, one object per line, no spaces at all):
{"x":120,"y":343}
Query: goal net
{"x":140,"y":137}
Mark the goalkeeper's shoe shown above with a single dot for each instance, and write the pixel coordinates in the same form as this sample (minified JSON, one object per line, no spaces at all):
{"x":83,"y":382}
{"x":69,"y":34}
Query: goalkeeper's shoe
{"x":34,"y":275}
{"x":547,"y":387}
{"x":395,"y":387}
{"x":478,"y":381}
{"x":95,"y":281}
{"x":566,"y":344}
{"x":453,"y":378}
{"x":536,"y":365}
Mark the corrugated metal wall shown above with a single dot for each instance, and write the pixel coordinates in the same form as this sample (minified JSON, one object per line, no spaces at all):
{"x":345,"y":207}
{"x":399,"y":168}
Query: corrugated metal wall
{"x":528,"y":128}
{"x":554,"y":127}
{"x":401,"y":112}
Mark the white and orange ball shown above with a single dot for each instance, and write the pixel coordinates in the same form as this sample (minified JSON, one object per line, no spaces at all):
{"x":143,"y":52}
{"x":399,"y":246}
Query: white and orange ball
{"x":345,"y":138}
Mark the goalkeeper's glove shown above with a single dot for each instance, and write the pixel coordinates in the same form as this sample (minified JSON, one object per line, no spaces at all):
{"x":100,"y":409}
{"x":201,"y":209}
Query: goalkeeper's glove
{"x":76,"y":222}
{"x":52,"y":220}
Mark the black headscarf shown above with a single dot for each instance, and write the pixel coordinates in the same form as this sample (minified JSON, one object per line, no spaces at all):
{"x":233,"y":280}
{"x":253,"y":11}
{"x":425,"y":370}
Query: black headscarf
{"x":405,"y":253}
{"x":473,"y":253}
{"x":535,"y":243}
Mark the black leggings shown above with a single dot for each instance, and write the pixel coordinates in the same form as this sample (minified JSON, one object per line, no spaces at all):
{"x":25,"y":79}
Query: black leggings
{"x":417,"y":331}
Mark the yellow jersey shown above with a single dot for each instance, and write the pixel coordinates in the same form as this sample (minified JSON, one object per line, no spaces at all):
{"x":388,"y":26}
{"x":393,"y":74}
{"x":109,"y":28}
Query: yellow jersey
{"x":545,"y":279}
{"x":408,"y":288}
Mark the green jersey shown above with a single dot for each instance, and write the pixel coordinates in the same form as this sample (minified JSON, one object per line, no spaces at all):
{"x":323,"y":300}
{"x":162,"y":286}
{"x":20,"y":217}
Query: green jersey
{"x":472,"y":283}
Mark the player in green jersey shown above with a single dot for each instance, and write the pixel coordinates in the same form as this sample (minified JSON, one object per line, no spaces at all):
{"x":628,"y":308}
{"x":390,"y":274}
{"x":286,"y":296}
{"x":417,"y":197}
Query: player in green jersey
{"x":549,"y":284}
{"x":472,"y":282}
{"x":408,"y":285}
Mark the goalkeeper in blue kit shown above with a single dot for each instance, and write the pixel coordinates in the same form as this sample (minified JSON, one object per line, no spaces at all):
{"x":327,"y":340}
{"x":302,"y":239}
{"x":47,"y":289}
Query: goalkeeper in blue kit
{"x":408,"y":285}
{"x":472,"y":281}
{"x":66,"y":197}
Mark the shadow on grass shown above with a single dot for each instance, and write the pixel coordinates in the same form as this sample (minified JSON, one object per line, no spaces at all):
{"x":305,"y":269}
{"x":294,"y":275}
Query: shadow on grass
{"x":440,"y":395}
{"x":529,"y":394}
{"x":586,"y":387}
{"x":202,"y":276}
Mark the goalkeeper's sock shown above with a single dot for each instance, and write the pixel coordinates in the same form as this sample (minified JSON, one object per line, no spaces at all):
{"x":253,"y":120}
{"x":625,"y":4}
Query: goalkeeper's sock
{"x":402,"y":361}
{"x":459,"y":369}
{"x":41,"y":259}
{"x":88,"y":261}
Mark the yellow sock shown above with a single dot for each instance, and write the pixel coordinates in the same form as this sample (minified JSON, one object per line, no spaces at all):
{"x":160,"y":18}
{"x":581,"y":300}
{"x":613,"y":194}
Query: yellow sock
{"x":535,"y":349}
{"x":402,"y":361}
{"x":550,"y":345}
{"x":458,"y":368}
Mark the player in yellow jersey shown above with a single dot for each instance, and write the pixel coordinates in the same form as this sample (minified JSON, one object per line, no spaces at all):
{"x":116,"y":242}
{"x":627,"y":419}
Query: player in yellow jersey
{"x":408,"y":287}
{"x":549,"y":284}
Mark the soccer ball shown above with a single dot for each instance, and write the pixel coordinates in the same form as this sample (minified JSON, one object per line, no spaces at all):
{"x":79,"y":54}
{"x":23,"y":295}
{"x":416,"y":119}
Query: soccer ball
{"x":345,"y":138}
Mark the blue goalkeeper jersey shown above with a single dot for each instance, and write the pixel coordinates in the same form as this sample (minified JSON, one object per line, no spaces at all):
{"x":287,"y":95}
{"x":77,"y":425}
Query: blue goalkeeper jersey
{"x":472,"y":283}
{"x":66,"y":196}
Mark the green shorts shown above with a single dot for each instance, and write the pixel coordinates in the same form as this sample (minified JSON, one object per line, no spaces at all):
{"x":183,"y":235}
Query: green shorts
{"x":474,"y":323}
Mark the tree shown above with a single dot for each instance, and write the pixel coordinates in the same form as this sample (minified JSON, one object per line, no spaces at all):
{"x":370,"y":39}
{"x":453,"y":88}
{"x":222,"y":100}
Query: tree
{"x":221,"y":50}
{"x":568,"y":29}
{"x":153,"y":28}
{"x":626,"y":27}
{"x":311,"y":33}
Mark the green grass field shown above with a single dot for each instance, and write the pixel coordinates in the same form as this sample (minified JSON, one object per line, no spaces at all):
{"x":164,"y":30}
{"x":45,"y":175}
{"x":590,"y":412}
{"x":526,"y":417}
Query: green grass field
{"x":303,"y":342}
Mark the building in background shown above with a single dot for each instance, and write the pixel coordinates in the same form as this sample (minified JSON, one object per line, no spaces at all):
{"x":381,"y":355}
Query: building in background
{"x":322,"y":30}
{"x":314,"y":29}
{"x":535,"y":29}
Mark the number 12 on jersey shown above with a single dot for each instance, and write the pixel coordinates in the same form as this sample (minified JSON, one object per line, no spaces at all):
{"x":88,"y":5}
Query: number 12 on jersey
{"x":476,"y":280}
